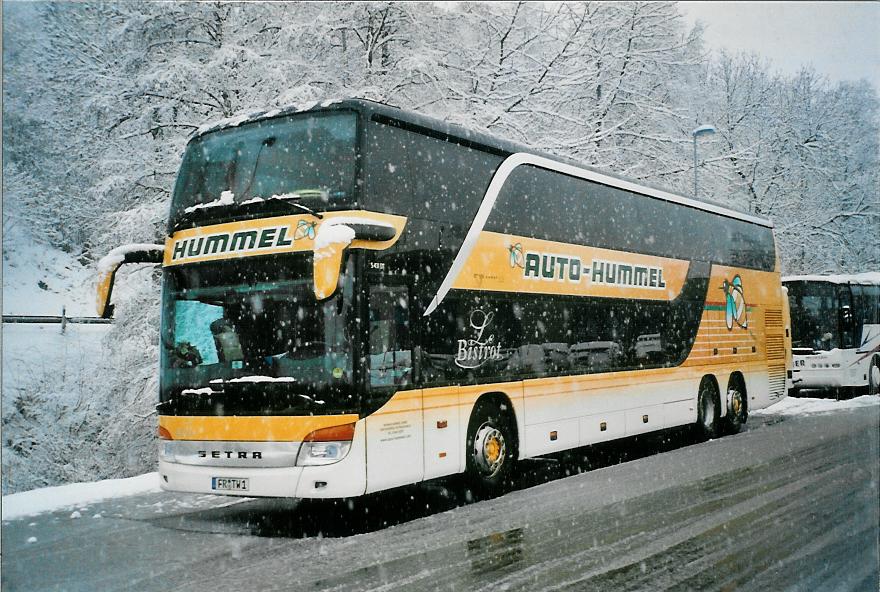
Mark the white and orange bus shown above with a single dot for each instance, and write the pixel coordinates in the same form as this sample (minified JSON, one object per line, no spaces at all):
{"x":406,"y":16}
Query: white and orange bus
{"x":357,"y":298}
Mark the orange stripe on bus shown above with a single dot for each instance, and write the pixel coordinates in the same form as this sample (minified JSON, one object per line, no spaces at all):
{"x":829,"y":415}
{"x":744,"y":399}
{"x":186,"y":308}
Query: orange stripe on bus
{"x":249,"y":428}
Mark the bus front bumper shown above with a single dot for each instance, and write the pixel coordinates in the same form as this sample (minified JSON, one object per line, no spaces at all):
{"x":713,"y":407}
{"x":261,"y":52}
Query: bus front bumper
{"x":820,"y":371}
{"x":346,"y":478}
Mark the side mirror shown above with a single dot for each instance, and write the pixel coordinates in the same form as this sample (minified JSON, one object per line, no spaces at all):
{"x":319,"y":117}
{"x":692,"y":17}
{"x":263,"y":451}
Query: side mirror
{"x":109,"y":264}
{"x":333,"y":237}
{"x":330,"y":242}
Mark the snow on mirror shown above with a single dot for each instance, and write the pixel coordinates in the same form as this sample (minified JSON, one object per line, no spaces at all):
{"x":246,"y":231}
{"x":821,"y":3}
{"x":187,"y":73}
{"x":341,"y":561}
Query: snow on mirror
{"x":333,"y":237}
{"x":110,"y":263}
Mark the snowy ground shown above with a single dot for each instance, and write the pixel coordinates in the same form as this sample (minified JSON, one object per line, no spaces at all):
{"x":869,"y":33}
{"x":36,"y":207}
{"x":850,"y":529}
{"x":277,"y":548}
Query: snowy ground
{"x":811,"y":406}
{"x":75,"y":495}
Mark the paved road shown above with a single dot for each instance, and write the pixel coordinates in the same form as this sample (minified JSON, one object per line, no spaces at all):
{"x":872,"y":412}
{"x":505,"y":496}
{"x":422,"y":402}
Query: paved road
{"x":789,"y":504}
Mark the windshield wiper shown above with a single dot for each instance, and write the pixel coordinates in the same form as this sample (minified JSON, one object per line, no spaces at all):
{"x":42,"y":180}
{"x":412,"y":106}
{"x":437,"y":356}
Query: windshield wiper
{"x":306,"y":209}
{"x":268,"y":142}
{"x":189,"y":217}
{"x":287,"y":199}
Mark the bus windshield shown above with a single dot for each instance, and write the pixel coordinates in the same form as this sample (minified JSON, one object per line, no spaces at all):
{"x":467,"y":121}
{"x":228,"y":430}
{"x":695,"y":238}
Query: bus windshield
{"x":310,"y":158}
{"x":814,"y":315}
{"x":259,"y":344}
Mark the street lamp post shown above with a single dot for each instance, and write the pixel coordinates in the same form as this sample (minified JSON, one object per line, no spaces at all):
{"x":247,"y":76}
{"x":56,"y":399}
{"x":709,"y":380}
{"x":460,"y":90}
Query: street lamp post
{"x":703,"y":130}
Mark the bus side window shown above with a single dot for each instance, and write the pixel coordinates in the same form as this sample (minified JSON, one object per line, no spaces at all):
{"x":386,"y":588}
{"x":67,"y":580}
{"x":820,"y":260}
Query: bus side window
{"x":390,"y":348}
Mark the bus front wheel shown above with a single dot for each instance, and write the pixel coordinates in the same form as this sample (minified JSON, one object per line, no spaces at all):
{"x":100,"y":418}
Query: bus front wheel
{"x":874,"y":376}
{"x":708,"y":410}
{"x":491,"y":448}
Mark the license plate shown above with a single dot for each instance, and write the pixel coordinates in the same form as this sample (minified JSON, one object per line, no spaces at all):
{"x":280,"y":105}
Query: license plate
{"x":229,"y":484}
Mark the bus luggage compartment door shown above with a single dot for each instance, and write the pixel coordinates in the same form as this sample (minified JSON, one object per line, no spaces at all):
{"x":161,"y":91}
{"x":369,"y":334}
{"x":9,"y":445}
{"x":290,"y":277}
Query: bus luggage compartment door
{"x":443,"y":433}
{"x":395,"y":442}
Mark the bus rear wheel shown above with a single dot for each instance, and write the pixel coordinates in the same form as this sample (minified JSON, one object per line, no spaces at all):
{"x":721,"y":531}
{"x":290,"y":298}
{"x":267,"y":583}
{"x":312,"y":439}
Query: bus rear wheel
{"x":708,"y":410}
{"x":491,"y":449}
{"x":737,"y":412}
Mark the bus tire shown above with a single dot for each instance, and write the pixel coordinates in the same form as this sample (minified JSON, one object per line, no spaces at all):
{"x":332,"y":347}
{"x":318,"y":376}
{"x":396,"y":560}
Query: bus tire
{"x":708,"y":409}
{"x":737,"y":408}
{"x":874,"y":376}
{"x":491,"y":448}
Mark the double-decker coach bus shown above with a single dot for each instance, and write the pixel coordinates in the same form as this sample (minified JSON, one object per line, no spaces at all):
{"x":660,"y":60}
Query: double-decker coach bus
{"x":356,"y":298}
{"x":835,"y":326}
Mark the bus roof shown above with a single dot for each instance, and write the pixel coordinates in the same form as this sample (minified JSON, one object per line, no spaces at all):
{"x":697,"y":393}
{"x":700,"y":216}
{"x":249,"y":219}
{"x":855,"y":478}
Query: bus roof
{"x":869,"y":278}
{"x":416,"y":122}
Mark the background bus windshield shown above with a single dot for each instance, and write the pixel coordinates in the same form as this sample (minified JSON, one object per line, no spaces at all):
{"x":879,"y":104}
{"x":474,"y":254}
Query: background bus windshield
{"x":814,"y":315}
{"x":313,"y":156}
{"x":230,"y":330}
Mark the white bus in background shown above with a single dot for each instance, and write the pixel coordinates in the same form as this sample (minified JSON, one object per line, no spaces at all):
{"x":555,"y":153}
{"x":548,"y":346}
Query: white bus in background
{"x":835,"y":321}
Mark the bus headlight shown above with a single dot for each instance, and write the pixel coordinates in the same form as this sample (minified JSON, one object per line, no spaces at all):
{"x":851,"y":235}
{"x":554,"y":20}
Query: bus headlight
{"x":321,"y":453}
{"x":326,"y":446}
{"x":166,"y":447}
{"x":166,"y":451}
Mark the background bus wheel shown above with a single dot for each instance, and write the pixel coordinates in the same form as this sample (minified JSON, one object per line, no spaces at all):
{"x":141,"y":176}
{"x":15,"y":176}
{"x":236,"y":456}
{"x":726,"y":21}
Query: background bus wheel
{"x":708,"y":409}
{"x":491,"y":449}
{"x":737,"y":411}
{"x":874,"y":377}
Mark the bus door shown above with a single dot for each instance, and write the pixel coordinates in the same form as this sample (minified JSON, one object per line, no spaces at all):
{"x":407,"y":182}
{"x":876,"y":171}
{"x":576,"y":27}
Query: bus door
{"x":867,"y":317}
{"x":394,"y":420}
{"x":786,"y":322}
{"x":846,"y":317}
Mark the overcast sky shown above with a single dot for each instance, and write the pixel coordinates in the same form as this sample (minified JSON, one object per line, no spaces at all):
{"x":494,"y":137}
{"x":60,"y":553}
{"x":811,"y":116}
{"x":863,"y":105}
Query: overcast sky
{"x":839,"y":39}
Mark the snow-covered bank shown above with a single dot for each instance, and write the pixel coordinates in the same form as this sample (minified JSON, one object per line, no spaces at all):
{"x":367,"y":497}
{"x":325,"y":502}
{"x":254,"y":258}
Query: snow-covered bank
{"x":42,"y":280}
{"x":48,"y":400}
{"x":49,"y":499}
{"x":77,"y":405}
{"x":808,"y":406}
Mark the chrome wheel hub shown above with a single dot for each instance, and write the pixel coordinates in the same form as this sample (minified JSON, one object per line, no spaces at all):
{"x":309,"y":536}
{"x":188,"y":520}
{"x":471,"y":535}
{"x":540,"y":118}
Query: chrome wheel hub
{"x":489,"y":449}
{"x":735,"y":404}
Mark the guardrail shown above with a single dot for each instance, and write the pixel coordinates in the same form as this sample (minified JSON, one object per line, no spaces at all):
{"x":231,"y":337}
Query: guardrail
{"x":62,"y":320}
{"x":50,"y":319}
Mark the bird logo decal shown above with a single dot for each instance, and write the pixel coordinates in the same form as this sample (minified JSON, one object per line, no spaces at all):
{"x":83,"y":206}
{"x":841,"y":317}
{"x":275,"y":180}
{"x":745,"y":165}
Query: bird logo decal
{"x":735,"y":303}
{"x":516,"y":255}
{"x":304,"y":229}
